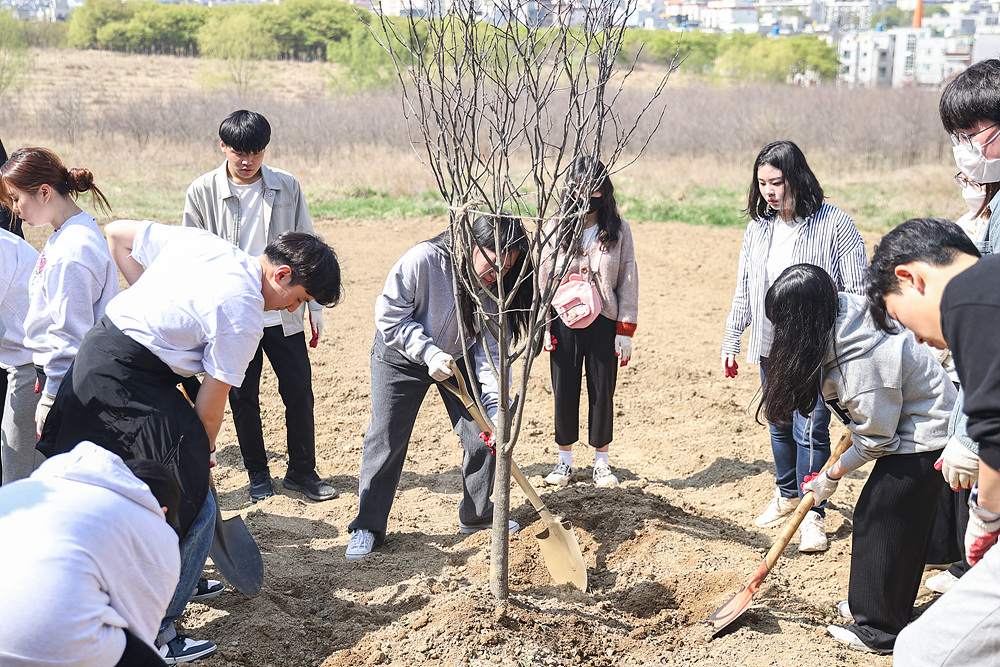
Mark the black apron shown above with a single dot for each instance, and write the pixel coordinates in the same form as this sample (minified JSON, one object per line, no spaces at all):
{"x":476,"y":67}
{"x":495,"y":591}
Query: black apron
{"x":122,"y":397}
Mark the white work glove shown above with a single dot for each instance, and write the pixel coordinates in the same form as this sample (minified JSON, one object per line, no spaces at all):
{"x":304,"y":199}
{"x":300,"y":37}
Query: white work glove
{"x":729,"y":365}
{"x":316,"y":323}
{"x":958,"y":464}
{"x":982,"y":531}
{"x":45,"y":402}
{"x":438,"y":366}
{"x":623,"y":349}
{"x":821,"y":485}
{"x":211,"y":459}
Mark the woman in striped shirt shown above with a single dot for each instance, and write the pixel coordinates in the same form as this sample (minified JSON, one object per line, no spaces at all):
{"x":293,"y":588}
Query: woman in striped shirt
{"x":789,"y":224}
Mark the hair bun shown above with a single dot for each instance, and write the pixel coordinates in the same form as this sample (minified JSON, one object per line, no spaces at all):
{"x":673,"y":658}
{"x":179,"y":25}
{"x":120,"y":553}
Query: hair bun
{"x":80,"y":180}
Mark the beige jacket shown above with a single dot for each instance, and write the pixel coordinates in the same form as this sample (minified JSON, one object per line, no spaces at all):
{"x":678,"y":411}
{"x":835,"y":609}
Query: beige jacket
{"x":210,"y":204}
{"x":614,"y":271}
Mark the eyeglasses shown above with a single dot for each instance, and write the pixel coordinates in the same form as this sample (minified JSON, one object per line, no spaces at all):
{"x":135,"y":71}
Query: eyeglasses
{"x":966,"y":182}
{"x":961,"y":138}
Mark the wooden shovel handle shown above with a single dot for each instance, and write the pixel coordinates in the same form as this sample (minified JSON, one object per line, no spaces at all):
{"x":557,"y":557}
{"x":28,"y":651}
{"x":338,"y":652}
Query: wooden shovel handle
{"x":806,"y":504}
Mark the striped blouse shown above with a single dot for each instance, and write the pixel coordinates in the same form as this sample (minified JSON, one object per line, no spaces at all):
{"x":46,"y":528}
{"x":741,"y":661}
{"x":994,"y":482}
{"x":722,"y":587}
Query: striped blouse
{"x":828,"y":239}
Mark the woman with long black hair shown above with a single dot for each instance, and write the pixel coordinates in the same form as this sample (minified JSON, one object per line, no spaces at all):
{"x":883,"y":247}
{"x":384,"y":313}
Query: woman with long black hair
{"x":896,"y":399}
{"x":418,"y":341}
{"x":789,"y":223}
{"x":604,"y":256}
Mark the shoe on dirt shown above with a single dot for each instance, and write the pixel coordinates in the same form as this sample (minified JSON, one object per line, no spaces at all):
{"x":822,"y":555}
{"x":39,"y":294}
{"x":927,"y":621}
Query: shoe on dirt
{"x":260,"y":486}
{"x":851,"y":639}
{"x":561,"y":475}
{"x":468,"y":529}
{"x":182,"y":649}
{"x":309,"y":484}
{"x":844,"y":609}
{"x":207,"y":588}
{"x":776,"y":511}
{"x":941,"y":583}
{"x":812,"y":533}
{"x":603,"y":476}
{"x":360,"y":545}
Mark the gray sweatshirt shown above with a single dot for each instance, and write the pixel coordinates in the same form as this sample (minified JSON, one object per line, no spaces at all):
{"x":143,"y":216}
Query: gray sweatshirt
{"x":417,"y":315}
{"x":889,"y":391}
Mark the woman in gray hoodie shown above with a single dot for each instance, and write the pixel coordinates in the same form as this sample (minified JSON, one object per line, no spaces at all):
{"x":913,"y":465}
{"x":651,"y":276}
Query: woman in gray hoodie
{"x":896,"y":400}
{"x":419,"y":320}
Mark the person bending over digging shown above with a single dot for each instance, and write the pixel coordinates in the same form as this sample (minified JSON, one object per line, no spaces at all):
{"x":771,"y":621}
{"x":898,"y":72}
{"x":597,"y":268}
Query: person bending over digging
{"x":927,"y":275}
{"x":417,"y":339}
{"x":196,"y":305}
{"x":895,"y":398}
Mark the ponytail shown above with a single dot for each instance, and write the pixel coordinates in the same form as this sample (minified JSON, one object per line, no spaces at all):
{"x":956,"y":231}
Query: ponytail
{"x":28,"y":169}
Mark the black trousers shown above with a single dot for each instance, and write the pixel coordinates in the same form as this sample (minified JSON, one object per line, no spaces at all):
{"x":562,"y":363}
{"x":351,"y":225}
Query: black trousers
{"x":893,"y":522}
{"x":948,"y":539}
{"x":290,"y":361}
{"x":138,"y":653}
{"x":591,"y":349}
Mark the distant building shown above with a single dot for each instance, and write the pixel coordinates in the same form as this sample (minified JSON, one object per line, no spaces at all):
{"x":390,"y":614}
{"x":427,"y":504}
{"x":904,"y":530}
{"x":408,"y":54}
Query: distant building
{"x":866,"y":59}
{"x":902,"y":57}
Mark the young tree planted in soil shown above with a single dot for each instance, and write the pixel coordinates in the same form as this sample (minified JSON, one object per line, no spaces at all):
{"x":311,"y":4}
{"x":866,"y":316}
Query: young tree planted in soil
{"x":499,"y":99}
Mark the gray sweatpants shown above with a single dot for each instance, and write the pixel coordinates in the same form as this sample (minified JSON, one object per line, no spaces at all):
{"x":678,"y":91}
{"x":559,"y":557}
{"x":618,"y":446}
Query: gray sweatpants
{"x":398,"y":388}
{"x":18,"y":455}
{"x":962,"y":627}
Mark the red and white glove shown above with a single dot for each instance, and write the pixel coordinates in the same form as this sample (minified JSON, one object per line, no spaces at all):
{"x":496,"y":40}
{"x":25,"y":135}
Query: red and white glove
{"x":45,"y":402}
{"x":623,"y":349}
{"x":958,"y":464}
{"x":549,"y":342}
{"x":211,"y":459}
{"x":982,"y":532}
{"x":316,"y":324}
{"x":729,"y":365}
{"x":821,"y":485}
{"x":439,"y":368}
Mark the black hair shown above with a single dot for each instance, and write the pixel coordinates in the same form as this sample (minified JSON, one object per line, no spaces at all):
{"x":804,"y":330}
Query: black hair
{"x":588,"y":170}
{"x":802,"y":306}
{"x":971,"y":96}
{"x":245,"y":131}
{"x":503,"y":234}
{"x":800,"y":181}
{"x":8,"y":220}
{"x":936,"y":241}
{"x":314,"y":264}
{"x":161,"y":482}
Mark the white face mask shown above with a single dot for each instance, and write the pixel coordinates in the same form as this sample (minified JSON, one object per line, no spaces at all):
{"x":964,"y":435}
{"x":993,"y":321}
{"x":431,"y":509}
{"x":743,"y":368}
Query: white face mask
{"x":974,"y":164}
{"x":974,"y":197}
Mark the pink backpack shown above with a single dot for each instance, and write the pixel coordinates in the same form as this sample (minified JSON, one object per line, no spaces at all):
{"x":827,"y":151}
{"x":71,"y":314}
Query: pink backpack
{"x":577,"y":301}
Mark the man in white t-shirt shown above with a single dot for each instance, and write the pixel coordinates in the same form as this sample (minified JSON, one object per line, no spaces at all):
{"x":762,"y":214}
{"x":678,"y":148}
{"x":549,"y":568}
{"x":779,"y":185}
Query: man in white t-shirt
{"x":196,"y":305}
{"x":250,"y":204}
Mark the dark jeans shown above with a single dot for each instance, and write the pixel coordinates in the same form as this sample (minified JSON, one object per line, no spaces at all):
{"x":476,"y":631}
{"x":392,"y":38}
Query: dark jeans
{"x":800,"y":448}
{"x":290,"y":361}
{"x":592,"y":349}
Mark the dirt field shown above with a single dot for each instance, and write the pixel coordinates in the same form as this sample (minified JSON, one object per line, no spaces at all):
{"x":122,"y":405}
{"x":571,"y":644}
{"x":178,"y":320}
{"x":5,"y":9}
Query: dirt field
{"x":663,"y":550}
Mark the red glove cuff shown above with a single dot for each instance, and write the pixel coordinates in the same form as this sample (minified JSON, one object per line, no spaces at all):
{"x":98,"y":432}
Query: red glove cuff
{"x":625,"y":328}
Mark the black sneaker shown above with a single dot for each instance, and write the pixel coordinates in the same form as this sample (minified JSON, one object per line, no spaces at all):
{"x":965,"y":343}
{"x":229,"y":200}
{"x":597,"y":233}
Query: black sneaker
{"x":260,"y":486}
{"x":309,"y":484}
{"x":207,"y":588}
{"x":184,"y":649}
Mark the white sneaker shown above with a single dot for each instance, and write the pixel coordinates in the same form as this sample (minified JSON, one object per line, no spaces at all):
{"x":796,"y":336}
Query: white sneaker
{"x":603,"y":476}
{"x":812,"y":533}
{"x":561,"y":475}
{"x":849,"y":638}
{"x":942,"y":582}
{"x":360,"y":545}
{"x":776,"y":511}
{"x":844,"y":609}
{"x":512,"y":527}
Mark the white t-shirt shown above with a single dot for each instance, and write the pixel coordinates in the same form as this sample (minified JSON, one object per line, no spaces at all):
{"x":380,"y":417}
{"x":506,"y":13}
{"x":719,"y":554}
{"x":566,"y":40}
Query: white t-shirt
{"x":17,"y":260}
{"x":253,"y":235}
{"x":198,"y":306}
{"x":779,"y":257}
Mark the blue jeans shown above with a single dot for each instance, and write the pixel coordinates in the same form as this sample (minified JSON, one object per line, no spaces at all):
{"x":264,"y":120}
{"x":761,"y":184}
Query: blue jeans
{"x":797,"y":451}
{"x":194,"y":553}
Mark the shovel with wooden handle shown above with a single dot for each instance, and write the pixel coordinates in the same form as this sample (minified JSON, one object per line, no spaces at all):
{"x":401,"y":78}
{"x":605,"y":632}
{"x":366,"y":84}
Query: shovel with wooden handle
{"x":740,"y":602}
{"x":557,"y":541}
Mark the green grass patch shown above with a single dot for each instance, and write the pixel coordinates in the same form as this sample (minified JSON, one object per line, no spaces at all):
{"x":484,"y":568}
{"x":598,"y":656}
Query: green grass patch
{"x":366,"y":203}
{"x":719,"y":207}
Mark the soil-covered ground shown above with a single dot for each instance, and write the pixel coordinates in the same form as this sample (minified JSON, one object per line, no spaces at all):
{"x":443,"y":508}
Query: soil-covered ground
{"x":663,"y":550}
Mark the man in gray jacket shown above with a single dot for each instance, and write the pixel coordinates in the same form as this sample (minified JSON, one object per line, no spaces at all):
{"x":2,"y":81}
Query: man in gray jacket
{"x":250,"y":204}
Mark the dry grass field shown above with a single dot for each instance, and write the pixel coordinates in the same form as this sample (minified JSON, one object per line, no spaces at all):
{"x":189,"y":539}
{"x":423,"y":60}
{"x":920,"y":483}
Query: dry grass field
{"x":664,"y":549}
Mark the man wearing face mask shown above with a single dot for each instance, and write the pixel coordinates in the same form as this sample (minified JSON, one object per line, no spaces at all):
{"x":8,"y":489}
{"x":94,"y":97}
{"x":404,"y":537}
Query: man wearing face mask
{"x":970,"y":113}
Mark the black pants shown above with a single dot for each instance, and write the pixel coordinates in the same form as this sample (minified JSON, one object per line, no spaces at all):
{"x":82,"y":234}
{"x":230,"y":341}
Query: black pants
{"x":893,"y":521}
{"x":290,"y":361}
{"x":948,"y":539}
{"x":593,"y":349}
{"x":138,"y":653}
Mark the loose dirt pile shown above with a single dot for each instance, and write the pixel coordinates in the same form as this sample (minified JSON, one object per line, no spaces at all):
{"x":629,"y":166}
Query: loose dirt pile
{"x":663,"y":550}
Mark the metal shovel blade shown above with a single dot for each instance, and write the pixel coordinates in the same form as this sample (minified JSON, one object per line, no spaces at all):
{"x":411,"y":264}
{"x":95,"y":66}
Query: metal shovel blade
{"x":235,"y":553}
{"x":562,"y":555}
{"x":739,"y":603}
